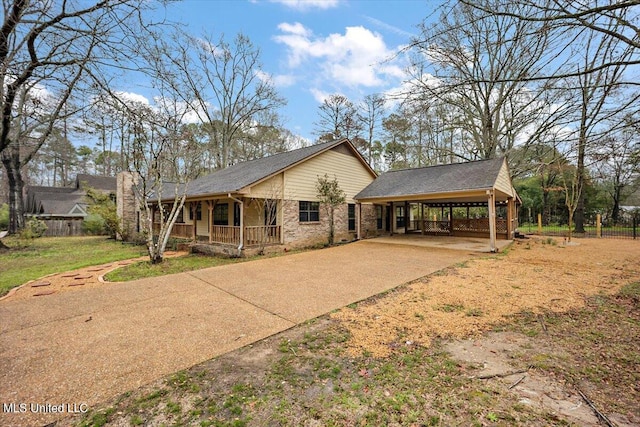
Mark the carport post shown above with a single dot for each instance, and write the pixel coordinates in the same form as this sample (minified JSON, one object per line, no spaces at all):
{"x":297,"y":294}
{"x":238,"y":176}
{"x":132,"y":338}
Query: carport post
{"x":492,"y":221}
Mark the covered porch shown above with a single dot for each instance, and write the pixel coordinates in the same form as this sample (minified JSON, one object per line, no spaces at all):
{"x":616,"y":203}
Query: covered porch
{"x":234,"y":221}
{"x":489,"y":221}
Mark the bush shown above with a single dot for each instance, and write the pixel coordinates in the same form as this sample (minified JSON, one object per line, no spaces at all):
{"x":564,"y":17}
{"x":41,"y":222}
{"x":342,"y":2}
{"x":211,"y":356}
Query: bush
{"x":4,"y":216}
{"x":33,"y":228}
{"x":94,"y":225}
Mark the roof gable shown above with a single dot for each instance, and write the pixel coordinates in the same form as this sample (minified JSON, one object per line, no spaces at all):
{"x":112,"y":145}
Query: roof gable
{"x":456,"y":177}
{"x":240,"y":176}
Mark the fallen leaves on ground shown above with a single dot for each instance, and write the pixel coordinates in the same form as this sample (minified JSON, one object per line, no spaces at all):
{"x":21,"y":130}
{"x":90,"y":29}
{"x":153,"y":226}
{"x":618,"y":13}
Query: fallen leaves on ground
{"x":536,"y":274}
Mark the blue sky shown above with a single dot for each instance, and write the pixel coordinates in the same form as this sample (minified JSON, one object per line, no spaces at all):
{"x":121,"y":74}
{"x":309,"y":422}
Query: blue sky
{"x":313,"y":48}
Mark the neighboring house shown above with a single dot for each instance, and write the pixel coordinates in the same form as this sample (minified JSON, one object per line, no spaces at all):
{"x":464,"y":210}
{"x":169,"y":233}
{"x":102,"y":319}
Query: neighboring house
{"x":272,"y":200}
{"x":426,"y":200}
{"x":64,"y":208}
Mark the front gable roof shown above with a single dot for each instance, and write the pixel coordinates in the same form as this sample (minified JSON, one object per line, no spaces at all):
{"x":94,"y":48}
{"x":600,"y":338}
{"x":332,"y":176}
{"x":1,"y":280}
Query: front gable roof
{"x":456,"y":178}
{"x":239,"y":177}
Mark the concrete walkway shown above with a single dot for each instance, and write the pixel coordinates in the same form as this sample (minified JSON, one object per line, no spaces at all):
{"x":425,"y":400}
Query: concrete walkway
{"x":86,"y":346}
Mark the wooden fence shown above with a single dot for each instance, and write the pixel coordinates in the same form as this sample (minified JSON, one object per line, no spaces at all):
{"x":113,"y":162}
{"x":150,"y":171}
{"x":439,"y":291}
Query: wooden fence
{"x":63,"y":227}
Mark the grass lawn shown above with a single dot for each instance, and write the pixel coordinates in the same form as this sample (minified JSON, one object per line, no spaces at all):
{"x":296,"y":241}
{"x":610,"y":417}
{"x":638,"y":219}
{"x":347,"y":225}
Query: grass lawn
{"x":34,"y":258}
{"x":169,"y":266}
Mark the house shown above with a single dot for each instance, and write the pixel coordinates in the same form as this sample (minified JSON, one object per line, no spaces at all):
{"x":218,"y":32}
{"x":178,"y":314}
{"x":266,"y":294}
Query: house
{"x":460,"y":199}
{"x":272,"y":200}
{"x":64,"y":208}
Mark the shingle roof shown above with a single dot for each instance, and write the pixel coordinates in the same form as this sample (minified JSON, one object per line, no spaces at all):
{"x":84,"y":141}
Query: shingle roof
{"x":241,"y":175}
{"x":60,"y":200}
{"x":476,"y":175}
{"x":61,"y":207}
{"x":105,"y":183}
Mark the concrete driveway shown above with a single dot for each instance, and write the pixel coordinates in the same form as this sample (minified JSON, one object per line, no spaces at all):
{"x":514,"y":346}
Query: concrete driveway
{"x":86,"y":346}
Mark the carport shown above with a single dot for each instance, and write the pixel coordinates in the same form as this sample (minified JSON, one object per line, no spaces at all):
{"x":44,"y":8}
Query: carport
{"x":473,"y":199}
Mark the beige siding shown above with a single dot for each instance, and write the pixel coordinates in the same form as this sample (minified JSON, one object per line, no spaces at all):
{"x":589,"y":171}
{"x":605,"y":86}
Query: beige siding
{"x":503,"y":182}
{"x":270,"y":189}
{"x":300,"y":181}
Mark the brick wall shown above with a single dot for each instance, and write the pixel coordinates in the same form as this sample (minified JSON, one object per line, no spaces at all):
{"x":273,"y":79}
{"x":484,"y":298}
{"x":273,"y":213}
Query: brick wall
{"x":127,"y":207}
{"x":369,"y":222}
{"x":300,"y":234}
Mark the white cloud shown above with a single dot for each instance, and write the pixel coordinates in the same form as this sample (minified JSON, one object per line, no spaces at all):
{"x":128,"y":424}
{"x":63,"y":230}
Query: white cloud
{"x":356,"y":58}
{"x":389,"y":27}
{"x":308,"y":4}
{"x":295,"y":28}
{"x":133,"y":97}
{"x":279,"y":80}
{"x":319,"y":95}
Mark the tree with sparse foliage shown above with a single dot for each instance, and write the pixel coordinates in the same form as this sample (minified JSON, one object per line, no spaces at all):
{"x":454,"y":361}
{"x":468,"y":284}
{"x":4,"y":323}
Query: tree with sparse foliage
{"x":338,"y":119}
{"x":331,"y":196}
{"x":49,"y":51}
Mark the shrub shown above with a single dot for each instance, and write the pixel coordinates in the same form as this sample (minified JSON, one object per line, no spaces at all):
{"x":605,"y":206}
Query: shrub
{"x":94,"y":225}
{"x":4,"y":216}
{"x":33,"y":228}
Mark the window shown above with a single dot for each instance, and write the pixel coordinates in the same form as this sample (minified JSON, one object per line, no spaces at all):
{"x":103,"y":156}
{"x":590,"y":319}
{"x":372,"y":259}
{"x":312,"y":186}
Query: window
{"x":198,"y":211}
{"x":351,"y":214}
{"x":221,"y":214}
{"x":379,"y":217}
{"x":309,"y":211}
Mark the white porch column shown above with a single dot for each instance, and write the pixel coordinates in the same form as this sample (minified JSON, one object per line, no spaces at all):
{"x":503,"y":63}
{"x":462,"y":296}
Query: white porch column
{"x":241,"y":204}
{"x":492,"y":220}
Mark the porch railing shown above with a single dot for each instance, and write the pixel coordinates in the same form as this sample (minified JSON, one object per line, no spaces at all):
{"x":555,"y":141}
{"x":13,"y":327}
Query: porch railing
{"x":267,"y":234}
{"x":479,"y":225}
{"x":253,"y":235}
{"x":225,"y":234}
{"x":431,"y":227}
{"x":184,"y":231}
{"x":459,"y":224}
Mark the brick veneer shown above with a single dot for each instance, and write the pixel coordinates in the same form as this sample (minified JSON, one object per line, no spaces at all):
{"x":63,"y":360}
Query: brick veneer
{"x":300,"y":234}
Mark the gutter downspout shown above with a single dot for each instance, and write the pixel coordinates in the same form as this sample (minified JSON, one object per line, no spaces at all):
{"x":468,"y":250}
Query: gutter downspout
{"x":241,"y":222}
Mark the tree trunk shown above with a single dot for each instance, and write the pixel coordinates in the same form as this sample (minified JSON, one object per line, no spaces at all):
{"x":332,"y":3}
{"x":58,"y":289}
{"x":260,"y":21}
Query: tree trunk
{"x":11,"y":162}
{"x":579,"y":213}
{"x":615,"y":213}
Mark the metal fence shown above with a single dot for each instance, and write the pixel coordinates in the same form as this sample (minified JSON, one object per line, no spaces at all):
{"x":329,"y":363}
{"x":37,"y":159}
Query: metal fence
{"x":628,"y":227}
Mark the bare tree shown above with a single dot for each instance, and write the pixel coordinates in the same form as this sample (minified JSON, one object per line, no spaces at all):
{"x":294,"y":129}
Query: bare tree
{"x":477,"y":66}
{"x":370,"y":112}
{"x":161,"y":158}
{"x":223,"y":84}
{"x":48,"y":50}
{"x":590,"y":17}
{"x":603,"y":103}
{"x":268,"y":209}
{"x":617,"y":161}
{"x":338,"y":119}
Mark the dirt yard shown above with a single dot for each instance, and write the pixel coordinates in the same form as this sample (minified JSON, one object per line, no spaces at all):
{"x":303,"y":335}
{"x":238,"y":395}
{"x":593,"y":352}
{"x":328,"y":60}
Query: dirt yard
{"x":510,"y":339}
{"x":536,"y":274}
